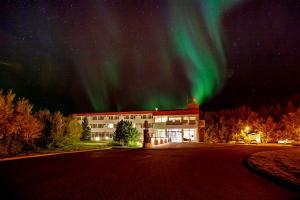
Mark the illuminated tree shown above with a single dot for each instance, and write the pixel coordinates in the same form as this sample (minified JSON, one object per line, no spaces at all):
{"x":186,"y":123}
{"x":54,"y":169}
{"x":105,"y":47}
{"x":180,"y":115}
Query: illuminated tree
{"x":125,"y":133}
{"x":73,"y":130}
{"x":18,"y":127}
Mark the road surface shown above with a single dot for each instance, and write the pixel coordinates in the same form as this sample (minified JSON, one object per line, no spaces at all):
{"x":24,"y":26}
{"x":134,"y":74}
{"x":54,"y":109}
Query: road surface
{"x":184,"y":171}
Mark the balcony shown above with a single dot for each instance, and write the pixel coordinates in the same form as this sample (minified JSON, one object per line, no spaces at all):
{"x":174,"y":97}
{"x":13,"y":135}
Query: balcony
{"x":176,"y":122}
{"x":192,"y":122}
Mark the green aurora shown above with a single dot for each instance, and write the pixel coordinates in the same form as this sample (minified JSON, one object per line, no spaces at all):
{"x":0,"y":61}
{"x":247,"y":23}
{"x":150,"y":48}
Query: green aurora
{"x":193,"y":32}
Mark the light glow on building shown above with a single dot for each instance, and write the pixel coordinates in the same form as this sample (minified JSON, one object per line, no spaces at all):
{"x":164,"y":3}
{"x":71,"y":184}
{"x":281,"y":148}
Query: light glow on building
{"x":164,"y":125}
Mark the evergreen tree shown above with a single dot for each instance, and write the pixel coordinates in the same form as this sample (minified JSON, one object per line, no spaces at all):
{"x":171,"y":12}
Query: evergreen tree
{"x":125,"y":133}
{"x":86,"y":130}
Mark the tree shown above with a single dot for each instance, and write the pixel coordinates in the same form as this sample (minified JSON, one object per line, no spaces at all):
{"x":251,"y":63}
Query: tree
{"x":6,"y":113}
{"x":24,"y":127}
{"x":125,"y":133}
{"x":18,"y":127}
{"x":73,"y":130}
{"x":86,"y":130}
{"x":57,"y":130}
{"x":45,"y":117}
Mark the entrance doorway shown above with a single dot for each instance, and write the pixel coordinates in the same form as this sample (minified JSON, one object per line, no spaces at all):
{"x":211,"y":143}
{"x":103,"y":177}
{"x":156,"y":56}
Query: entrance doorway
{"x":175,"y":135}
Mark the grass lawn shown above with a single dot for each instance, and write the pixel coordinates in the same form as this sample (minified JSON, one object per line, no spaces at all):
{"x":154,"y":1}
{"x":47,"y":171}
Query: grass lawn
{"x":77,"y":146}
{"x":283,"y":164}
{"x":82,"y":145}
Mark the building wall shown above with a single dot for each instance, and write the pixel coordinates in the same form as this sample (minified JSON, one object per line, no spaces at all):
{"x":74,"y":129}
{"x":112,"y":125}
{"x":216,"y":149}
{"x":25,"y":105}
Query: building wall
{"x":103,"y":125}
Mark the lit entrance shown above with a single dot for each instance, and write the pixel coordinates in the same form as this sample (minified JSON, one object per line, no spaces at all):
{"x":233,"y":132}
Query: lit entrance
{"x":189,"y":135}
{"x":175,"y":135}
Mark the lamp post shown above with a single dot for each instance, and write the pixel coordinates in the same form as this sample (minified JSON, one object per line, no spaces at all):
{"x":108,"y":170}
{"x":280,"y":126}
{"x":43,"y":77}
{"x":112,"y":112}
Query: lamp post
{"x":247,"y":130}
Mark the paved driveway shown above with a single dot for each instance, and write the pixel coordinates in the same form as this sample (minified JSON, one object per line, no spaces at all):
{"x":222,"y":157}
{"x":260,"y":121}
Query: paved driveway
{"x":184,"y":171}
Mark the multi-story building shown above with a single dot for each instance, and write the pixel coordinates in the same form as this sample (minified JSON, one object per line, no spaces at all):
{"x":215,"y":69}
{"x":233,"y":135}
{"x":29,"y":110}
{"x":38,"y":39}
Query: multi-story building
{"x":164,"y":125}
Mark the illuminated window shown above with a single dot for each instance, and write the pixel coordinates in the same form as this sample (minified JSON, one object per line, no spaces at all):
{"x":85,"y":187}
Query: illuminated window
{"x":110,"y":125}
{"x":161,"y":119}
{"x":174,"y":119}
{"x":161,"y":133}
{"x":189,"y":133}
{"x":192,"y":118}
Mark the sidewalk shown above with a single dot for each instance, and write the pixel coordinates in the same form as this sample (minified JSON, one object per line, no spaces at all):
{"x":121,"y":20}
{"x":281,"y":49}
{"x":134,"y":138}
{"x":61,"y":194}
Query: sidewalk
{"x":283,"y":165}
{"x":48,"y":154}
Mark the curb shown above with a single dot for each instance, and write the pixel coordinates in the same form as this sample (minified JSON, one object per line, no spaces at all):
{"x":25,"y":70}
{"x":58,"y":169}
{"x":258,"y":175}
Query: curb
{"x":276,"y":180}
{"x":49,"y":154}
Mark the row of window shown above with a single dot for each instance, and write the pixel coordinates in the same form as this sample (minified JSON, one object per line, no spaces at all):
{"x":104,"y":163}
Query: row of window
{"x":137,"y":125}
{"x":101,"y":135}
{"x":116,"y":117}
{"x":187,"y":133}
{"x":174,"y":119}
{"x":156,"y":118}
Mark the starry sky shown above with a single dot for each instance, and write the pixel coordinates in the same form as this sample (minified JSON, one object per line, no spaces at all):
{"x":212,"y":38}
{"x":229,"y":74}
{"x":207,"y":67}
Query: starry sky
{"x":116,"y":55}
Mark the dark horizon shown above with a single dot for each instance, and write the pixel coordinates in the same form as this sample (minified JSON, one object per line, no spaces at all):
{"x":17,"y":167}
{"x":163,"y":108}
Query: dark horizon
{"x":116,"y":56}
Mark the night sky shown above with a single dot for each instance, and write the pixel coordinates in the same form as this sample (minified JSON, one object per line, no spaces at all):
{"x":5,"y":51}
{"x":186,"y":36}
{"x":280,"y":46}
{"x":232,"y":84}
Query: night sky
{"x":114,"y":55}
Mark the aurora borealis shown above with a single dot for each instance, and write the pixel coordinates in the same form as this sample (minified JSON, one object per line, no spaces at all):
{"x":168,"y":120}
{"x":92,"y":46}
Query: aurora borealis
{"x":113,"y":55}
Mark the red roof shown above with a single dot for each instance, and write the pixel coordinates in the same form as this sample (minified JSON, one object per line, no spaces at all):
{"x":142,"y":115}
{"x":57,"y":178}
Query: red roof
{"x":154,"y":112}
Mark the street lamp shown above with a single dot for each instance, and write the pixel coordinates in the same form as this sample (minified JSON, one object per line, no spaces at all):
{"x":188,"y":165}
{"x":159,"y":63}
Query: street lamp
{"x":247,"y":128}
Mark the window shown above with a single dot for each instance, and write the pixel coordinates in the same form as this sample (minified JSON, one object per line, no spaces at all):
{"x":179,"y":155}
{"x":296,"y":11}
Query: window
{"x":94,"y":118}
{"x":138,"y":125}
{"x":150,"y":125}
{"x":78,"y":118}
{"x":100,"y":125}
{"x":161,"y":119}
{"x":161,"y":133}
{"x":144,"y":117}
{"x":100,"y":117}
{"x":149,"y":117}
{"x":192,"y":118}
{"x":116,"y":117}
{"x":132,"y":116}
{"x":93,"y":125}
{"x":110,"y":125}
{"x":189,"y":134}
{"x":126,"y":116}
{"x":111,"y":117}
{"x":174,"y":119}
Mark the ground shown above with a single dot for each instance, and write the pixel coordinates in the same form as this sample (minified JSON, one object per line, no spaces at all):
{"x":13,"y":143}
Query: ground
{"x":284,"y":164}
{"x":183,"y":171}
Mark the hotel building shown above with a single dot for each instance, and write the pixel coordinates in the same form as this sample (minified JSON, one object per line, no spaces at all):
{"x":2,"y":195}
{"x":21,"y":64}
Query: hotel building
{"x":164,"y":125}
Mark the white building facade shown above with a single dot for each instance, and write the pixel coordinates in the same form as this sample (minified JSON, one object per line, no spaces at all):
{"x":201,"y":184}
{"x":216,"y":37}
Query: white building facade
{"x":164,"y":125}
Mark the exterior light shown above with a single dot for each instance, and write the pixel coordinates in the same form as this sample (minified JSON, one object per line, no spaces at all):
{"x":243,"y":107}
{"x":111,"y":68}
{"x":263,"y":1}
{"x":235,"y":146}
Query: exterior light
{"x":247,"y":128}
{"x":97,"y":138}
{"x":156,"y":109}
